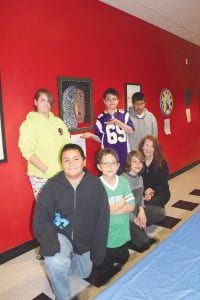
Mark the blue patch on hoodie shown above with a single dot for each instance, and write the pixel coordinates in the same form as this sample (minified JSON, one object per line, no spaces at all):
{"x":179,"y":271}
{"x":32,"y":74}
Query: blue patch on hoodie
{"x":60,"y":222}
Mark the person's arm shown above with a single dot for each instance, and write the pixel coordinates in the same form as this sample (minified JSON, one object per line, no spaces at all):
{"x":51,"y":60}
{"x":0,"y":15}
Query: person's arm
{"x":154,"y":126}
{"x":27,"y":144}
{"x":43,"y":223}
{"x":124,"y":209}
{"x":142,"y":217}
{"x":162,"y":183}
{"x":128,"y":129}
{"x":96,"y":136}
{"x":128,"y":196}
{"x":100,"y":236}
{"x":90,"y":135}
{"x":36,"y":162}
{"x":117,"y":206}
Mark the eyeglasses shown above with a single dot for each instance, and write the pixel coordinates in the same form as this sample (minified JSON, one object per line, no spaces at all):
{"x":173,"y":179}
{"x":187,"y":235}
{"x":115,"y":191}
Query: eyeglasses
{"x":109,"y":163}
{"x":111,"y":99}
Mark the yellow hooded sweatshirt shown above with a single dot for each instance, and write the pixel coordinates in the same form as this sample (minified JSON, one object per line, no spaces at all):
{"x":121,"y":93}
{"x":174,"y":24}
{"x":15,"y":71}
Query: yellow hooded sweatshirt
{"x":44,"y":137}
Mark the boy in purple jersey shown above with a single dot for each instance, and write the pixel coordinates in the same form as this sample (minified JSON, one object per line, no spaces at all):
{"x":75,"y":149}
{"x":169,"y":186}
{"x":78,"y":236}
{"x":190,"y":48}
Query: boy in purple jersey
{"x":112,"y":126}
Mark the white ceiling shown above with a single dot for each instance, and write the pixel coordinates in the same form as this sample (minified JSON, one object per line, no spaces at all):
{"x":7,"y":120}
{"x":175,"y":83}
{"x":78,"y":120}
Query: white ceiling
{"x":180,"y":17}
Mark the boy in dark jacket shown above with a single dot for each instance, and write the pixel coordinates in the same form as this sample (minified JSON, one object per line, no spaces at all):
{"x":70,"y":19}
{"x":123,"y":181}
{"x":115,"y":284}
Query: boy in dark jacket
{"x":71,"y":222}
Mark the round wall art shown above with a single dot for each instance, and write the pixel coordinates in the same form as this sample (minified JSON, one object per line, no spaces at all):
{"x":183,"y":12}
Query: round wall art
{"x":166,"y":102}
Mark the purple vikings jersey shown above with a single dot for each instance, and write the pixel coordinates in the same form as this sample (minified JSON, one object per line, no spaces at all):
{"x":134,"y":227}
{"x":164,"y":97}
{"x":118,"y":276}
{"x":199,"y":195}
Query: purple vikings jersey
{"x":112,"y":136}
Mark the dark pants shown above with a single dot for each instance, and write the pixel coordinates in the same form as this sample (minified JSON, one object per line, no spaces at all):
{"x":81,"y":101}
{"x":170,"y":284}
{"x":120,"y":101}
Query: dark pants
{"x":139,"y":236}
{"x":154,"y":214}
{"x":117,"y":255}
{"x":159,"y":200}
{"x":114,"y":259}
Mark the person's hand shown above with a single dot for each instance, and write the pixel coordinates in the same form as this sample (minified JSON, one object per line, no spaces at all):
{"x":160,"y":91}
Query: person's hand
{"x":148,"y":194}
{"x":86,"y":135}
{"x":137,"y":222}
{"x":113,"y":121}
{"x":142,"y":217}
{"x":122,"y":201}
{"x":117,"y":206}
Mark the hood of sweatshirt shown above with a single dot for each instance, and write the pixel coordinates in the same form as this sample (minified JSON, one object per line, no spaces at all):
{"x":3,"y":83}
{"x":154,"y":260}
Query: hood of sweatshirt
{"x":33,"y":115}
{"x":134,"y":115}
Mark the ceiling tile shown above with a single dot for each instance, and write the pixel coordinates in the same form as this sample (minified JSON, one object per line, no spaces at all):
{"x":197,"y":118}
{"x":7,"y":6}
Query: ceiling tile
{"x":180,"y":17}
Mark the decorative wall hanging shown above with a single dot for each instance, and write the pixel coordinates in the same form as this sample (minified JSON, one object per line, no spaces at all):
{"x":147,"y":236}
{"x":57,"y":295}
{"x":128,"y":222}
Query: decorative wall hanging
{"x":3,"y":156}
{"x":188,"y":115}
{"x":188,"y":96}
{"x":130,"y":89}
{"x":75,"y":103}
{"x":167,"y":126}
{"x":166,"y":102}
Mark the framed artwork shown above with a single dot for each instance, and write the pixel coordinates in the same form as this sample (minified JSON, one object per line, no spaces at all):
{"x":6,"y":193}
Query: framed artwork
{"x":3,"y":156}
{"x":130,"y":89}
{"x":75,"y":103}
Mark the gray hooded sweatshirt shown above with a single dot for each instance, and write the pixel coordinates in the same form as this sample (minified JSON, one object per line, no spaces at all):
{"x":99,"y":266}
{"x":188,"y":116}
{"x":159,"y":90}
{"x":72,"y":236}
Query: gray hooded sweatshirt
{"x":144,"y":125}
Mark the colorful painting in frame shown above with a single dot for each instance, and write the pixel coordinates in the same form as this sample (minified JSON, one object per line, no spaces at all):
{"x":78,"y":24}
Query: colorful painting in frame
{"x":75,"y":103}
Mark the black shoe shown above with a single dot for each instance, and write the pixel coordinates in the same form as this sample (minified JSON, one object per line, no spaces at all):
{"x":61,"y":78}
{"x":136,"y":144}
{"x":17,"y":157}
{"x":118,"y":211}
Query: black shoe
{"x":137,"y":248}
{"x":101,"y":274}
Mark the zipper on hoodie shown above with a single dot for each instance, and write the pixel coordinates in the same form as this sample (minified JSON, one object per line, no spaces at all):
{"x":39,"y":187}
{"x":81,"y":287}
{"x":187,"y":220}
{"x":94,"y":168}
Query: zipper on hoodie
{"x":72,"y":235}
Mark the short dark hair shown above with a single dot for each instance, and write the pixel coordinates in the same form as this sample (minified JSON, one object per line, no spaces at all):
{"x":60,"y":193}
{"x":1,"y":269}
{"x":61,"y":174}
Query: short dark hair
{"x":68,"y":147}
{"x":46,"y":92}
{"x":110,"y":91}
{"x":138,"y":96}
{"x":103,"y":152}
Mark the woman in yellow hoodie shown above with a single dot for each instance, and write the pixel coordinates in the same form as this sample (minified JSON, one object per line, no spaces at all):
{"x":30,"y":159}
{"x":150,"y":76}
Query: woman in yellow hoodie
{"x":41,"y":138}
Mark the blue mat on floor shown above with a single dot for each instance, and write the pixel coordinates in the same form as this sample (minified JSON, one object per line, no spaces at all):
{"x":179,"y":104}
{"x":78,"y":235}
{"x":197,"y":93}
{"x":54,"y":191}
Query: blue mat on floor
{"x":170,"y":271}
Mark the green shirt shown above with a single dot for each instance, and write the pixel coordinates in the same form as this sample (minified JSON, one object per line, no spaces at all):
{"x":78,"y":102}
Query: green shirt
{"x":119,"y":230}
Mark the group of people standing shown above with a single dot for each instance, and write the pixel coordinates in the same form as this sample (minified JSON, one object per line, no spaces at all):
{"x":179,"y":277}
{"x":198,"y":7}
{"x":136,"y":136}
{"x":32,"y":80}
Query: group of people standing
{"x":81,"y":220}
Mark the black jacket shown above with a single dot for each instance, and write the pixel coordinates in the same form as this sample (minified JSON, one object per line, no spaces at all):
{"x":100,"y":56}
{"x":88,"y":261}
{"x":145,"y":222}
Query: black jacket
{"x":157,"y":180}
{"x":82,"y":215}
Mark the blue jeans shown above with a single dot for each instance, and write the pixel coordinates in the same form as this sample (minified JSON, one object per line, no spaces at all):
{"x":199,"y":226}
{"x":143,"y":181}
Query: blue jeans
{"x":64,"y":264}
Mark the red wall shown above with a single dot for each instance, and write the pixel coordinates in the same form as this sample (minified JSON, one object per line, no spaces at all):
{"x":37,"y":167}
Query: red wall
{"x":41,"y":40}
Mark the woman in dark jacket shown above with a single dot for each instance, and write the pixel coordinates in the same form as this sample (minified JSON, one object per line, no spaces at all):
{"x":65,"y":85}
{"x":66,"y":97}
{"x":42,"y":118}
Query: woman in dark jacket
{"x":155,"y":175}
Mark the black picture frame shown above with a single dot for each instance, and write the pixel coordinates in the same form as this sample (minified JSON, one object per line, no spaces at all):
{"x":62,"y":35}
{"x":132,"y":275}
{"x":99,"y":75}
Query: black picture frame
{"x":3,"y":154}
{"x":75,"y":103}
{"x":130,"y":89}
